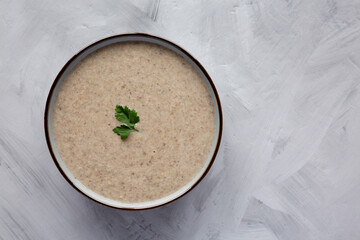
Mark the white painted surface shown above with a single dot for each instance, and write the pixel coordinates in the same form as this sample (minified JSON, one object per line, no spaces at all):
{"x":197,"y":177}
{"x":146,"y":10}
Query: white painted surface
{"x":288,"y":75}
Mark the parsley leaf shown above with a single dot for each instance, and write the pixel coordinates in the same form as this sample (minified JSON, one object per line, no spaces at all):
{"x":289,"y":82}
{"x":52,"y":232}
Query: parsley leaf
{"x":127,"y":116}
{"x":123,"y":131}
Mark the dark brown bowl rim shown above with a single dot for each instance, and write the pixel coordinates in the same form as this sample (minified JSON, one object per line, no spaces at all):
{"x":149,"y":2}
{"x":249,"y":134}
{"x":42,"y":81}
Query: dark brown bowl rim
{"x":47,"y":109}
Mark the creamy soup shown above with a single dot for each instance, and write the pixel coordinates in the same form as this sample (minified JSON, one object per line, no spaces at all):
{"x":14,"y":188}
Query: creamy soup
{"x":177,"y":122}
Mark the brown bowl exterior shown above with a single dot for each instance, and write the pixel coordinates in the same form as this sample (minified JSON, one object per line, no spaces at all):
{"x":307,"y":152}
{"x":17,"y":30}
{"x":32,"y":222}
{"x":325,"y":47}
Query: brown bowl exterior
{"x":58,"y":77}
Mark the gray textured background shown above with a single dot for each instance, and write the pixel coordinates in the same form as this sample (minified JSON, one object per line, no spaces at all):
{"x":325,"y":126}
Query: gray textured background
{"x":288,"y":75}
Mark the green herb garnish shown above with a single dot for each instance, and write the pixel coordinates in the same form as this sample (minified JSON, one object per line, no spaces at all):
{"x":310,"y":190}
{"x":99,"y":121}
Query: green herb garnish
{"x":127,"y":116}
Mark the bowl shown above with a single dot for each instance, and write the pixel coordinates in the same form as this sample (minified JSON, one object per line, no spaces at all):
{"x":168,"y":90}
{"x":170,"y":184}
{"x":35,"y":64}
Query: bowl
{"x":66,"y":173}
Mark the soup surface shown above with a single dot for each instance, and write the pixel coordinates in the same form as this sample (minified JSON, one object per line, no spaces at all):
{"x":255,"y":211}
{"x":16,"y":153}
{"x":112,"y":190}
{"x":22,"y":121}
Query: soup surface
{"x":177,"y":122}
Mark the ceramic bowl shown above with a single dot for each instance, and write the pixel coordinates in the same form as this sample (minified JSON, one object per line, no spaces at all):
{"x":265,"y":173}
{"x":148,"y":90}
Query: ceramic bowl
{"x":53,"y":94}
